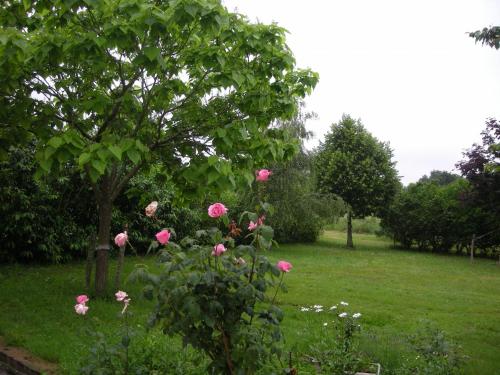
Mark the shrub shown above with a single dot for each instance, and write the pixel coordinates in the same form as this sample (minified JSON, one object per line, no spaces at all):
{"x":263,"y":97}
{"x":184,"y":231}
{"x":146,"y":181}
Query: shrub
{"x":42,"y":220}
{"x":213,"y":295}
{"x":437,"y":217}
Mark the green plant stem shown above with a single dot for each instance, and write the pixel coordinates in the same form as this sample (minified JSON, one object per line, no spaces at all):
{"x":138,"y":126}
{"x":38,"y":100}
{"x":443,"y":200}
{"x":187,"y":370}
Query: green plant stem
{"x":278,"y":288}
{"x":128,"y":342}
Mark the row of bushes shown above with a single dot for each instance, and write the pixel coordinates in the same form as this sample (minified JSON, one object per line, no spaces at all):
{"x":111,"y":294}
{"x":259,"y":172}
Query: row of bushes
{"x":440,"y":218}
{"x":53,"y":220}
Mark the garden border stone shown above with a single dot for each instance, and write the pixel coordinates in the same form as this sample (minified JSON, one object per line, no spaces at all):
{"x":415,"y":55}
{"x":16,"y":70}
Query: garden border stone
{"x":18,"y":361}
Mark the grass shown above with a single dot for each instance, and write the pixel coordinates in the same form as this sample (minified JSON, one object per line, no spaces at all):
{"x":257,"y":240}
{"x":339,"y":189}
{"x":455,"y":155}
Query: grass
{"x":392,"y":289}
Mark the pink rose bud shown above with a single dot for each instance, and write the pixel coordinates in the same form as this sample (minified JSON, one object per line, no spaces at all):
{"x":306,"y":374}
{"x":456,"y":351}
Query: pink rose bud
{"x":81,"y":309}
{"x":121,"y":239}
{"x":218,"y":250}
{"x":151,"y":209}
{"x":252,"y":226}
{"x":121,"y":296}
{"x":163,"y":236}
{"x":217,"y":210}
{"x":284,"y":266}
{"x":82,"y":299}
{"x":262,"y":175}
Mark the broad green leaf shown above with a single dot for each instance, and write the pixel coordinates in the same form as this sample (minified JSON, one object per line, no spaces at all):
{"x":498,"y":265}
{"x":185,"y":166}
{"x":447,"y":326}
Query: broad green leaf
{"x":99,"y":166}
{"x":152,"y":53}
{"x":134,"y":156}
{"x":55,"y":142}
{"x":84,"y":159}
{"x":116,"y":151}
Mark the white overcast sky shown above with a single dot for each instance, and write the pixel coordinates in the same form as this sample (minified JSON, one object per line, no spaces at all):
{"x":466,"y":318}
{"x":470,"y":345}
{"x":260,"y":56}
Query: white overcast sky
{"x":407,"y":69}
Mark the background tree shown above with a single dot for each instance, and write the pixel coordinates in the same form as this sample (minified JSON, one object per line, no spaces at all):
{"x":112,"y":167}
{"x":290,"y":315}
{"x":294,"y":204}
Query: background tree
{"x":488,"y":35}
{"x":440,"y":177}
{"x":481,"y":167}
{"x":300,"y":212}
{"x":114,"y":86}
{"x":357,"y":167}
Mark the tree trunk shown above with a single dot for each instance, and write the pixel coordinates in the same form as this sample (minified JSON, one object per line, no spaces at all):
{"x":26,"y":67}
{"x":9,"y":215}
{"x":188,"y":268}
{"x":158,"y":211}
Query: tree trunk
{"x":102,"y":250}
{"x":349,"y":230}
{"x":472,"y":247}
{"x":90,"y":260}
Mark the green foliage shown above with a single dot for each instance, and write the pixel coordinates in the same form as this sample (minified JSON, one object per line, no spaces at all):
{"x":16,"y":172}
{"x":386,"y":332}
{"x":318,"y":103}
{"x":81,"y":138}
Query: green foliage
{"x":300,"y":212}
{"x":357,"y":167}
{"x":218,"y":304}
{"x":368,"y":225}
{"x":427,"y":351}
{"x":488,"y":35}
{"x":46,"y":220}
{"x":430,"y":216}
{"x":144,"y":188}
{"x":115,"y":84}
{"x":336,"y":350}
{"x":440,"y":177}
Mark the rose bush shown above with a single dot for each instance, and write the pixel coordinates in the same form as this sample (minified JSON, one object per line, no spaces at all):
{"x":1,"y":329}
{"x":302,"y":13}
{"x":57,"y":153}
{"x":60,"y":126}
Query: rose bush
{"x":214,"y":294}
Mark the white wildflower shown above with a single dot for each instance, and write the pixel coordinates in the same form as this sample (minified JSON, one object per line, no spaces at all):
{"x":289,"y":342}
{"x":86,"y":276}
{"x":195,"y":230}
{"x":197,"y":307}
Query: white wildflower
{"x":344,"y":303}
{"x":319,"y":310}
{"x":356,"y":316}
{"x":318,"y":306}
{"x":334,"y":307}
{"x":304,"y":308}
{"x":325,"y":324}
{"x":342,"y":315}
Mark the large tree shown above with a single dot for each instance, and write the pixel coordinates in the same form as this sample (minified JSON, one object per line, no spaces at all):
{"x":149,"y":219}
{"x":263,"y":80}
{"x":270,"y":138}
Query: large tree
{"x":481,"y":167}
{"x":115,"y":85}
{"x":356,"y":166}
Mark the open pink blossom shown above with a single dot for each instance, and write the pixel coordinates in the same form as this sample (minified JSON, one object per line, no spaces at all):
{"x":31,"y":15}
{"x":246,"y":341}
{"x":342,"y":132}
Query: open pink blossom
{"x":82,"y":299}
{"x":121,"y":239}
{"x":218,"y":250}
{"x":121,"y":296}
{"x":252,"y":226}
{"x":163,"y":236}
{"x":262,"y":175}
{"x":151,"y":209}
{"x":284,"y":266}
{"x":217,"y":210}
{"x":81,"y":308}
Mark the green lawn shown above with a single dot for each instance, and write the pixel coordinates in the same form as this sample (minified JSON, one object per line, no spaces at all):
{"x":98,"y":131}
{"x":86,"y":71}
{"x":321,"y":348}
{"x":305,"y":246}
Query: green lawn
{"x":392,"y":289}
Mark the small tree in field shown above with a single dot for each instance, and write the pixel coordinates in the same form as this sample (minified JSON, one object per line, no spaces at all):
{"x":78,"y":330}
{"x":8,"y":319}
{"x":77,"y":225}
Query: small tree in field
{"x":116,"y":85}
{"x":357,"y":167}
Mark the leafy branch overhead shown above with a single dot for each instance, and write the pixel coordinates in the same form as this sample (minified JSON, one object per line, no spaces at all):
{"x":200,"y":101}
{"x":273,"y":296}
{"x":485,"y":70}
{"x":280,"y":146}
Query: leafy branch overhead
{"x":109,"y":83}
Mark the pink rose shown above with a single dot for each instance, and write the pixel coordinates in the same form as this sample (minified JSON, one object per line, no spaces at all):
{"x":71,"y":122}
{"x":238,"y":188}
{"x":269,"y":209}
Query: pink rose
{"x":217,"y":210}
{"x":218,"y":250}
{"x":261,"y":219}
{"x":121,"y":239}
{"x":121,"y":296}
{"x":163,"y":236}
{"x":151,"y":209}
{"x":82,"y":299}
{"x":262,"y":175}
{"x":284,"y":266}
{"x":252,"y":226}
{"x":81,"y":309}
